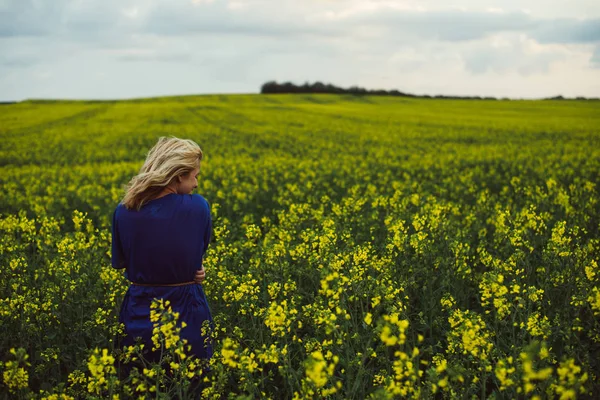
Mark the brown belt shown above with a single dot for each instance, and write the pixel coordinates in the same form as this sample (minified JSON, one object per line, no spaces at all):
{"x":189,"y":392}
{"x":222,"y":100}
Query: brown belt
{"x":164,"y":284}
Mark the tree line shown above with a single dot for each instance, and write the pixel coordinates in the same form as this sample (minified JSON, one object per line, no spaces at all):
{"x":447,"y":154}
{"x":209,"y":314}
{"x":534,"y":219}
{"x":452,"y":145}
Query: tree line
{"x":319,"y":87}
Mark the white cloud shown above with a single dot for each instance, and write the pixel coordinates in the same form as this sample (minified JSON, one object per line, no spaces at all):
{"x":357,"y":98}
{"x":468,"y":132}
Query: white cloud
{"x":132,"y":12}
{"x":595,"y":59}
{"x":504,"y":53}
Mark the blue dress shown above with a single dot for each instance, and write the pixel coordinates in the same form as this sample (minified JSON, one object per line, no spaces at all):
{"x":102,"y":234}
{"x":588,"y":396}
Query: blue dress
{"x":163,"y":243}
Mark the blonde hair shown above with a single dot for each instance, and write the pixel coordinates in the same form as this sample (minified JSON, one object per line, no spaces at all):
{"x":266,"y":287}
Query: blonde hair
{"x":168,"y":159}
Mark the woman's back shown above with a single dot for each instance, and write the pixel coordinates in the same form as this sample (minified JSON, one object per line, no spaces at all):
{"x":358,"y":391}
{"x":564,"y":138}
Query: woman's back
{"x":164,"y":242}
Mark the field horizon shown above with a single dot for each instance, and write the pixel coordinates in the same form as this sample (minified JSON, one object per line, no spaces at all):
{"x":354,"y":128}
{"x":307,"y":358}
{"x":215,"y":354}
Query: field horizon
{"x":558,"y":97}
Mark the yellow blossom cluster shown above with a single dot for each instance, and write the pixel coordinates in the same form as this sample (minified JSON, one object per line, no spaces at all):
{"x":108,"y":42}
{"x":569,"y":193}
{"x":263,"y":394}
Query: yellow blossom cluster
{"x":469,"y":335}
{"x":15,"y":375}
{"x":102,"y":371}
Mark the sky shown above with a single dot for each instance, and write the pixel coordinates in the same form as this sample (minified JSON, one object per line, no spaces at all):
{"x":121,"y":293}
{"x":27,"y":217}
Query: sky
{"x":118,"y":49}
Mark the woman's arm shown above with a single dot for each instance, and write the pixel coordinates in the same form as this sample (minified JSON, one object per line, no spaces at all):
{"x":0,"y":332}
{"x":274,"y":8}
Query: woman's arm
{"x":201,"y":273}
{"x":118,"y":258}
{"x":208,"y":232}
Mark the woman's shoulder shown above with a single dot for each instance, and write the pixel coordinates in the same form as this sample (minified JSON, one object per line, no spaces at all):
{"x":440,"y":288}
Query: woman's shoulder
{"x":197,"y":202}
{"x":199,"y":199}
{"x":119,"y":209}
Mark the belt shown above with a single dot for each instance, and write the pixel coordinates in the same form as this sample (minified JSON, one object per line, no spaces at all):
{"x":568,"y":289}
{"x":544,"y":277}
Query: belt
{"x":163,"y":284}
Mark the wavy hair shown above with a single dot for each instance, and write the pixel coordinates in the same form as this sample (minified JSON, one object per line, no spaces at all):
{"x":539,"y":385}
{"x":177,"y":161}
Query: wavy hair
{"x":169,"y":158}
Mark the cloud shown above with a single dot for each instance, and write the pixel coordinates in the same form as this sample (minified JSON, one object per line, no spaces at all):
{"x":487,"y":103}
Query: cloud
{"x":567,"y":31}
{"x":461,"y":25}
{"x":219,"y":17}
{"x":111,"y":19}
{"x":23,"y":62}
{"x":595,"y":60}
{"x":505,"y":53}
{"x":27,"y":18}
{"x":152,"y":56}
{"x":64,"y":18}
{"x":449,"y":25}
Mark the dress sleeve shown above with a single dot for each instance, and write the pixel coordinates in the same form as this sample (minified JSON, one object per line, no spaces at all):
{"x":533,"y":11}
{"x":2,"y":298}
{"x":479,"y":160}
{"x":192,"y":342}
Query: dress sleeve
{"x":118,"y":258}
{"x":208,"y":232}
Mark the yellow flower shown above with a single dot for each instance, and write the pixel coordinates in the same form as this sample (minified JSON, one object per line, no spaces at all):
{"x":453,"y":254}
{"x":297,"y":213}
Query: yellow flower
{"x":318,"y":370}
{"x":15,"y":377}
{"x":101,"y":367}
{"x":537,"y":326}
{"x":594,"y":300}
{"x":229,"y":353}
{"x":387,"y":337}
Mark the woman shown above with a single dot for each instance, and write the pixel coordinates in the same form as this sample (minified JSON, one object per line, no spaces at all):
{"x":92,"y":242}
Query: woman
{"x":160,"y":234}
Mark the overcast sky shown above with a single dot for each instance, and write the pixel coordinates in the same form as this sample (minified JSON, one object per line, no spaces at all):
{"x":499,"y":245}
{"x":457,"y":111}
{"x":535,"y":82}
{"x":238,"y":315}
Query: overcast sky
{"x":113,"y":49}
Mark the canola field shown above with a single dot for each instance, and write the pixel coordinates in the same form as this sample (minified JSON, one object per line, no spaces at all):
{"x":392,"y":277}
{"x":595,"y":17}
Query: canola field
{"x":364,"y":247}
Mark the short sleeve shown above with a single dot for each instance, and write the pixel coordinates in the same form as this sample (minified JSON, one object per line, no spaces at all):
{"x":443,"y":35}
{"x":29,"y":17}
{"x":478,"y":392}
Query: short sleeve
{"x":208,"y":232}
{"x":118,"y":258}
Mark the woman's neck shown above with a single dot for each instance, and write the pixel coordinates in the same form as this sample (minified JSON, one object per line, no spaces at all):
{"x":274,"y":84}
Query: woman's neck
{"x":166,"y":191}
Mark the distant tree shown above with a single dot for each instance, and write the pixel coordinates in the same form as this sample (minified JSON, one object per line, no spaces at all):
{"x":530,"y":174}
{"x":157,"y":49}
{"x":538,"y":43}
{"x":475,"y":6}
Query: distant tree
{"x":269,"y":87}
{"x":318,"y":87}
